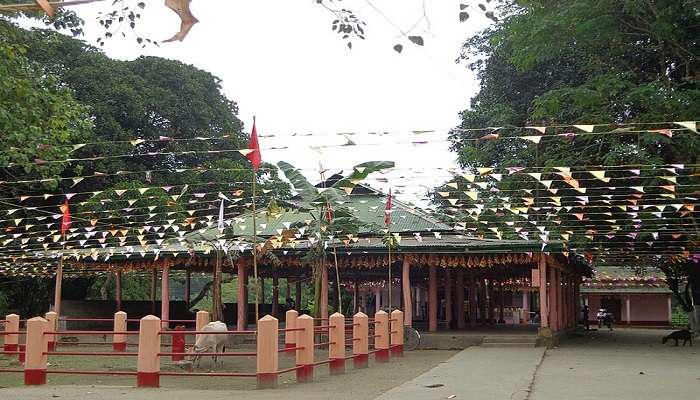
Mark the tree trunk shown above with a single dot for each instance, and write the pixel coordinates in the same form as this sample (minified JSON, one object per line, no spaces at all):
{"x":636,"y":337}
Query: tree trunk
{"x":217,"y":310}
{"x":317,"y":290}
{"x":202,"y":293}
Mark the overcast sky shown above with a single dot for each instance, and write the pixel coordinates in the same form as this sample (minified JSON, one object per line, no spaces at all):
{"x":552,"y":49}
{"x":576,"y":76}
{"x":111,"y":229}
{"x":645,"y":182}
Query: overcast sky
{"x":279,"y":60}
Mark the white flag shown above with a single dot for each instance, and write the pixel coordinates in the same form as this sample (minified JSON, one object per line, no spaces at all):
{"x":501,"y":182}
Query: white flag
{"x":221,"y":217}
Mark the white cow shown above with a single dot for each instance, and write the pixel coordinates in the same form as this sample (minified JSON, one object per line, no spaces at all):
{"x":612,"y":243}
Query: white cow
{"x":214,"y":343}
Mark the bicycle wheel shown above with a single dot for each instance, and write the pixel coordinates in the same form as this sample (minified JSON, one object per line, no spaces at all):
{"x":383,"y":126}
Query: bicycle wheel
{"x":411,"y":338}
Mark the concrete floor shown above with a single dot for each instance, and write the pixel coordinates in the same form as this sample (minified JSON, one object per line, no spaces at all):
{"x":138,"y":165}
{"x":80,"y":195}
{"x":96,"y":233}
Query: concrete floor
{"x":626,"y":364}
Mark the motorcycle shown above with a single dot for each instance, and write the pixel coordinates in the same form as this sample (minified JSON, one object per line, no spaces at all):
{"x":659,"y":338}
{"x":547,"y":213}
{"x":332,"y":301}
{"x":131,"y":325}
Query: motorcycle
{"x":604,"y":318}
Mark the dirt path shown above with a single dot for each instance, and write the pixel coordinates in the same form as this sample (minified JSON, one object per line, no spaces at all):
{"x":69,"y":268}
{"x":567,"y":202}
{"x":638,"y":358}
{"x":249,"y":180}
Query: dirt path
{"x":353,"y":385}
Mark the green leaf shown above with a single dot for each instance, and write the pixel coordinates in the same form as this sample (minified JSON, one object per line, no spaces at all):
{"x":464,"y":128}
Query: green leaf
{"x":299,"y":182}
{"x":361,"y":171}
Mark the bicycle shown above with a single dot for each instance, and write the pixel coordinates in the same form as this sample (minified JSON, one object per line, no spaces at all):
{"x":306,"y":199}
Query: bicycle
{"x":411,"y":338}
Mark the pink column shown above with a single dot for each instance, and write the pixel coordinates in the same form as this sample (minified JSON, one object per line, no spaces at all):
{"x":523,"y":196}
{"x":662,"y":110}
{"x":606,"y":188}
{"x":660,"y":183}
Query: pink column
{"x":290,"y":322}
{"x":526,"y":305}
{"x":12,"y":339}
{"x":360,"y":340}
{"x":267,"y":359}
{"x":381,"y":339}
{"x":544,"y":303}
{"x":336,"y":348}
{"x":35,"y":358}
{"x":406,"y":288}
{"x":148,"y":362}
{"x":165,"y":296}
{"x":119,"y":325}
{"x":51,"y":317}
{"x":305,"y":352}
{"x":432,"y":298}
{"x":396,"y":333}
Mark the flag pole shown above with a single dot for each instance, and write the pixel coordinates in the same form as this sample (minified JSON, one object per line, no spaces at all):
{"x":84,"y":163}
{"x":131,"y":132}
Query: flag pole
{"x":390,"y":285}
{"x":255,"y":256}
{"x":256,"y":163}
{"x":388,"y":226}
{"x":59,"y":280}
{"x":58,"y":289}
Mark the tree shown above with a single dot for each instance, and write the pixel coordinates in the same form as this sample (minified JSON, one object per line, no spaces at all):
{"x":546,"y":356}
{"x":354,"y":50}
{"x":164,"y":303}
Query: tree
{"x":329,"y":219}
{"x":62,"y":94}
{"x":683,"y":278}
{"x":127,"y":13}
{"x":564,"y":63}
{"x":38,"y":116}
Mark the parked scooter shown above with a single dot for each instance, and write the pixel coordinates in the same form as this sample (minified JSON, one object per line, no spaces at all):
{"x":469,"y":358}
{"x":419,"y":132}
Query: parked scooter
{"x":604,"y":318}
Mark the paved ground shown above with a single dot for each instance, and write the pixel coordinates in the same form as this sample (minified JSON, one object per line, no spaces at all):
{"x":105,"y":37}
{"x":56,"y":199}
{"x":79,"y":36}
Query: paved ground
{"x":621,"y":365}
{"x":475,"y":373}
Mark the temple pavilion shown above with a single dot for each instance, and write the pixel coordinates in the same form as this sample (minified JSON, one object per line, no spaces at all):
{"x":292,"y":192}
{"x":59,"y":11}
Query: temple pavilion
{"x":442,"y":277}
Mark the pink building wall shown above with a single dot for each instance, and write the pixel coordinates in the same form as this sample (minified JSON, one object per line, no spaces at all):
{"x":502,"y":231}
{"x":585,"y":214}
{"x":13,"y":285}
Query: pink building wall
{"x":645,"y":309}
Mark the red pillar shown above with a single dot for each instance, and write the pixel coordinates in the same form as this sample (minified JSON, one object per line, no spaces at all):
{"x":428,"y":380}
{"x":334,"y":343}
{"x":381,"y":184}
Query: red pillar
{"x":432,"y":298}
{"x":447,"y":285}
{"x":544,"y":303}
{"x":406,"y":289}
{"x":553,"y":300}
{"x":165,"y":296}
{"x":460,"y":299}
{"x":472,"y":300}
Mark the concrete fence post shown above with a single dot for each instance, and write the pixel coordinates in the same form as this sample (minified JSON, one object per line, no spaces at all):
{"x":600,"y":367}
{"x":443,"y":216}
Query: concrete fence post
{"x":360,"y":340}
{"x":381,"y":340}
{"x":396,"y":333}
{"x":148,"y":364}
{"x":201,"y":320}
{"x":52,"y":318}
{"x":290,"y":322}
{"x":119,"y":339}
{"x":305,"y":352}
{"x":12,"y":339}
{"x":336,"y":348}
{"x":37,"y":345}
{"x":267,"y":354}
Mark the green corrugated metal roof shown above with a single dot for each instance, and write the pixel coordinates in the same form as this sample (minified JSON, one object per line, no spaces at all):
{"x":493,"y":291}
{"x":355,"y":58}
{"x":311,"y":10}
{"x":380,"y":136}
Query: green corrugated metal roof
{"x":367,"y":208}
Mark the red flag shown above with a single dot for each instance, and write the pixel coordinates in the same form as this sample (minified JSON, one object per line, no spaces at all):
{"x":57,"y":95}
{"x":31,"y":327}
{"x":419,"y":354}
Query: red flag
{"x":387,"y":210}
{"x":65,"y":220}
{"x":254,"y":156}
